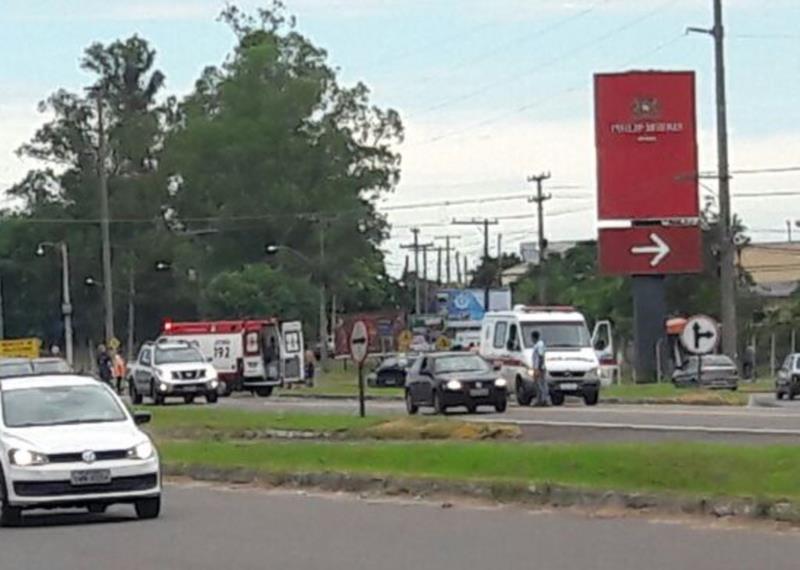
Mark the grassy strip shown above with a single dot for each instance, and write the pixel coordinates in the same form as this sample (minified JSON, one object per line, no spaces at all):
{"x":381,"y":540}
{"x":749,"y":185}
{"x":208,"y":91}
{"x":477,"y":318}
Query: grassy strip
{"x":667,"y":394}
{"x":204,"y":422}
{"x":340,"y":382}
{"x":686,"y":469}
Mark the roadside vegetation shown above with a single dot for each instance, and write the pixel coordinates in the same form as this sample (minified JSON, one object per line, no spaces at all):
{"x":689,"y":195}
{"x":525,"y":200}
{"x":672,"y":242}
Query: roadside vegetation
{"x":203,"y":423}
{"x":768,"y":472}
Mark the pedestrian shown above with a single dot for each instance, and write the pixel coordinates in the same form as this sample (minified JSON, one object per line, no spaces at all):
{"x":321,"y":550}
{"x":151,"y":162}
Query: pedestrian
{"x":105,"y":366}
{"x":539,"y":351}
{"x":749,"y":362}
{"x":120,"y":370}
{"x":311,"y":361}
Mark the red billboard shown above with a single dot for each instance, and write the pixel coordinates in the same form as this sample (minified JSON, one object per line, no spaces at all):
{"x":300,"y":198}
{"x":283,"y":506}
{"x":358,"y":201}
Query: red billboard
{"x":645,"y":130}
{"x":651,"y":250}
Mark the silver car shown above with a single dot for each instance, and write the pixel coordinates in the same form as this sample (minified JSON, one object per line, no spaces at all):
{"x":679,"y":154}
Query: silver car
{"x":711,"y":371}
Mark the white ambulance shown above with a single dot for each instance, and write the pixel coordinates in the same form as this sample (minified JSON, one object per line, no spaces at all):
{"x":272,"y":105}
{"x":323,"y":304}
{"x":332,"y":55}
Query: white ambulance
{"x":252,"y":355}
{"x":571,"y":364}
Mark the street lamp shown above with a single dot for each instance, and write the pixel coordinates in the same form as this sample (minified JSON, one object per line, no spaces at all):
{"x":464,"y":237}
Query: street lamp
{"x":90,"y":281}
{"x":272,"y":249}
{"x":66,"y":304}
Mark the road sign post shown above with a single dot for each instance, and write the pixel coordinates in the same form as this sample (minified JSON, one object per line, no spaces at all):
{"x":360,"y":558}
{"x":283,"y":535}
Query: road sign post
{"x":359,"y":348}
{"x":700,"y":336}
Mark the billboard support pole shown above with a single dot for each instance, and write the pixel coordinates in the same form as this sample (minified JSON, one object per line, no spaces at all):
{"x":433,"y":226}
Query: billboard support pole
{"x":649,"y":316}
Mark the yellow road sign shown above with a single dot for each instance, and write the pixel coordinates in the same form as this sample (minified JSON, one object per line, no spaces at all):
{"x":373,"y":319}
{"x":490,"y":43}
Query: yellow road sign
{"x":114,"y":343}
{"x":442,"y":343}
{"x":20,"y":348}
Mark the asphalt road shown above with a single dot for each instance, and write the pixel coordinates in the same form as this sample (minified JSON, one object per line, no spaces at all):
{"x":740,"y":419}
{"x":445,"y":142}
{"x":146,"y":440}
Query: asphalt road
{"x":206,"y":528}
{"x":764,"y":422}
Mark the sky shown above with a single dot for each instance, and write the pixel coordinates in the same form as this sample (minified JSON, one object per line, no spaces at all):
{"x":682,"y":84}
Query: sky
{"x":490,"y":92}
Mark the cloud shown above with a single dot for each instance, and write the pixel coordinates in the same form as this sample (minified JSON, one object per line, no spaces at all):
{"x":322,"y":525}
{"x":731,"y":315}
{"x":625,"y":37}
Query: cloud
{"x":20,"y":122}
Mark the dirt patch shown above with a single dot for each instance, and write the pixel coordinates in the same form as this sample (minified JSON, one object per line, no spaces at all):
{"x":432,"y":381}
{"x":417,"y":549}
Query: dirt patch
{"x":415,"y":429}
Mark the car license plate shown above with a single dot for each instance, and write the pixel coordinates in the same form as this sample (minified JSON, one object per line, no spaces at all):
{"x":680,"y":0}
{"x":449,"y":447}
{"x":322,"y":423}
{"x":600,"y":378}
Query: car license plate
{"x":568,"y":387}
{"x":90,"y":477}
{"x":479,"y":392}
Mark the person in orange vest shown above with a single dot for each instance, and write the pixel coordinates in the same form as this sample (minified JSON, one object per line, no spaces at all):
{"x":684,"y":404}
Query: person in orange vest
{"x":120,"y":370}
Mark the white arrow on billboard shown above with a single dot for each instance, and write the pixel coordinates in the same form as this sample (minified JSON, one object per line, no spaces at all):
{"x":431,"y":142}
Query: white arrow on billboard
{"x":659,"y":250}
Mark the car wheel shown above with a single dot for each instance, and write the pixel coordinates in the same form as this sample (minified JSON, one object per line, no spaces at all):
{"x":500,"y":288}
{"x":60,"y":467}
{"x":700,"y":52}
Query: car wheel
{"x":791,"y":395}
{"x":148,"y":508}
{"x":472,"y":408}
{"x":9,"y":516}
{"x":188,"y":399}
{"x":591,"y":397}
{"x":264,"y":391}
{"x":136,"y":397}
{"x":97,"y":509}
{"x":438,"y":405}
{"x":212,"y":397}
{"x":411,"y":407}
{"x":734,"y":388}
{"x":557,"y":398}
{"x":501,"y":405}
{"x":158,"y":399}
{"x":779,"y":395}
{"x":524,"y":396}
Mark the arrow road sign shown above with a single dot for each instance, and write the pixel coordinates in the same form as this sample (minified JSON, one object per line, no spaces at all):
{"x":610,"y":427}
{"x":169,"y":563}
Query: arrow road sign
{"x":650,"y":250}
{"x":359,"y":342}
{"x":700,"y":335}
{"x":659,"y":249}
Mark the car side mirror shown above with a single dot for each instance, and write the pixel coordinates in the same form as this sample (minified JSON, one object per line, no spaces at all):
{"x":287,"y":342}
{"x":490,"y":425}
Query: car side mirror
{"x":140,"y":418}
{"x":497,"y":366}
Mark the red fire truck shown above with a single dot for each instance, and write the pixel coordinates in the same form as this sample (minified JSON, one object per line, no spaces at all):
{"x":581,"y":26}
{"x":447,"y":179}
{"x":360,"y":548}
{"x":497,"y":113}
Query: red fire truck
{"x":254,"y":355}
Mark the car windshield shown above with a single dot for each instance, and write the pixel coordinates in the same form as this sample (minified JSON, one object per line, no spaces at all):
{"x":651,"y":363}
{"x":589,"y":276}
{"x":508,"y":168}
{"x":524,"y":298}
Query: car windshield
{"x":461,"y":363}
{"x":178,"y":355}
{"x":712,"y":360}
{"x":60,"y":405}
{"x":557,"y":335}
{"x":50,"y":367}
{"x":8,"y":369}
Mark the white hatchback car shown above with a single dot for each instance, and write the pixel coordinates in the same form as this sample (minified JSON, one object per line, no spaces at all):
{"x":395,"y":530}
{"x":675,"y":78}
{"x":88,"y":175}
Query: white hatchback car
{"x":69,"y":441}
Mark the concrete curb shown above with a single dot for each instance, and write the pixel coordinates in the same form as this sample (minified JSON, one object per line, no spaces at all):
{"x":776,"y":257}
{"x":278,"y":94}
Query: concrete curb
{"x":540,"y":495}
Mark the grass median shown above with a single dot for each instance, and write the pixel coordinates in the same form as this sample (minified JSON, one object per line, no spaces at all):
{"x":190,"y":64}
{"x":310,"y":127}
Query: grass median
{"x":202,"y":422}
{"x":768,"y":472}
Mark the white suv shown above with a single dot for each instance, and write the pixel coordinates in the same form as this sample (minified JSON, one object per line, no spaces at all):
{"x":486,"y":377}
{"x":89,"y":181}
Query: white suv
{"x":69,"y":441}
{"x":172,"y":369}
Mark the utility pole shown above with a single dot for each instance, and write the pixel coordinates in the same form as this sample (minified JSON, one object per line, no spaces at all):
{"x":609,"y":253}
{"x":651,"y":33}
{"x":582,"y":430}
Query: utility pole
{"x":425,"y":292}
{"x":539,"y":200}
{"x":416,"y":247}
{"x":323,"y":314}
{"x":105,"y":231}
{"x":448,"y":248}
{"x":466,"y":272}
{"x":727,"y":259}
{"x":2,"y":317}
{"x":458,"y":269}
{"x":485,"y":222}
{"x":789,"y":230}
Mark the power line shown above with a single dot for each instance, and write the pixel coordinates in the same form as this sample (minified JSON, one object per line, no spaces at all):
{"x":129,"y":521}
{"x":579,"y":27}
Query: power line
{"x":534,"y":70}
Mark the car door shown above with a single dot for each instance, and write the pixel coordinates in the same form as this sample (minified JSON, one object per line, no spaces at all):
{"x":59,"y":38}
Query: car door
{"x":142,"y":374}
{"x":784,"y":372}
{"x":413,"y":380}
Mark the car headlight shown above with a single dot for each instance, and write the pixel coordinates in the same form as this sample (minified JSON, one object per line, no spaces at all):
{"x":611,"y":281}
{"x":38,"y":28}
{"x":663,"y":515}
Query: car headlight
{"x":213,"y":384}
{"x":532,"y":372}
{"x":500,"y":383}
{"x":27,"y":458}
{"x":163,"y":387}
{"x":454,"y":385}
{"x":144,"y":450}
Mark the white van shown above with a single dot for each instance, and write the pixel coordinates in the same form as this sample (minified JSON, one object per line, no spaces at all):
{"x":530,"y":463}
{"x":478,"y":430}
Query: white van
{"x":571,"y":364}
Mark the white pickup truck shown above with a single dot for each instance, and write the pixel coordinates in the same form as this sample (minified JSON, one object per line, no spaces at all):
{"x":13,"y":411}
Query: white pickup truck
{"x":171,"y":369}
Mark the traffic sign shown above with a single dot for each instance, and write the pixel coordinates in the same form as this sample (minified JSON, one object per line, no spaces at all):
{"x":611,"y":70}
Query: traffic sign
{"x":700,"y":335}
{"x":404,"y":340}
{"x":359,"y":342}
{"x":646,"y":145}
{"x":442,"y":343}
{"x":650,"y":250}
{"x":20,"y":348}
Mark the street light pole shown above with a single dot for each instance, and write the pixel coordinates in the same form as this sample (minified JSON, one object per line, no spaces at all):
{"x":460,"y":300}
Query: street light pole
{"x":66,"y":297}
{"x":108,"y":292}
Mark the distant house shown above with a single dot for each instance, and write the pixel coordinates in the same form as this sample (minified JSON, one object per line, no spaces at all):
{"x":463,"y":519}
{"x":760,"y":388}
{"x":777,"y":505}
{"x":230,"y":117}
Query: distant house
{"x":774,"y":267}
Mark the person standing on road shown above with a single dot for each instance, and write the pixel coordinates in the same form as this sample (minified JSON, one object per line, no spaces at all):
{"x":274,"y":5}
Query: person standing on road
{"x":311,"y":362}
{"x":539,"y":351}
{"x":120,"y":370}
{"x":105,"y":366}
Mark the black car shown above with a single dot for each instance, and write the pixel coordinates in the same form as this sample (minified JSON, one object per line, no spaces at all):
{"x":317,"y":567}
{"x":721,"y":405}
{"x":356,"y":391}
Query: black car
{"x":714,"y":371}
{"x":445,"y":380}
{"x":391,"y":372}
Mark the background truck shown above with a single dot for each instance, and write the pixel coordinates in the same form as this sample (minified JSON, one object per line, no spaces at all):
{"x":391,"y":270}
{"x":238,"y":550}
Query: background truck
{"x":254,"y":355}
